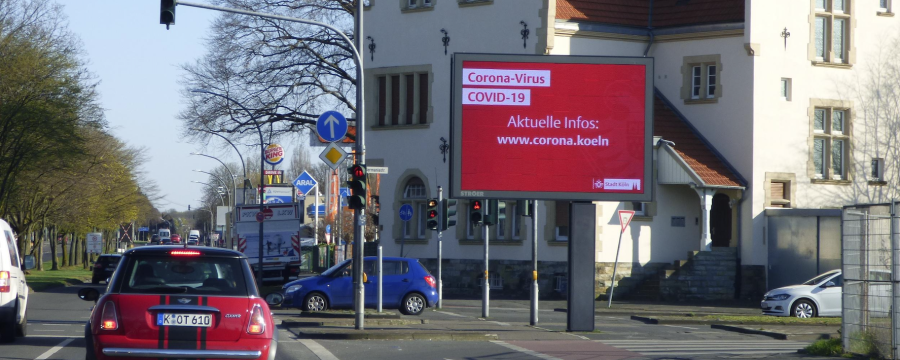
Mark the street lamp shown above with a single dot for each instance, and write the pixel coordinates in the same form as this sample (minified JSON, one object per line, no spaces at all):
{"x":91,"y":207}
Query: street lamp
{"x":233,"y":186}
{"x":212,"y":186}
{"x":359,"y":214}
{"x":209,"y":224}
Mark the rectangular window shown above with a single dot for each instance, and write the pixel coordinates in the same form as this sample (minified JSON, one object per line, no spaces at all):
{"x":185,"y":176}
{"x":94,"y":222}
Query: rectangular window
{"x":423,"y":98}
{"x":838,"y":6}
{"x":837,"y":122}
{"x":11,"y":247}
{"x":838,"y":46}
{"x":426,"y":2}
{"x":514,"y":222}
{"x":711,"y":81}
{"x":820,"y":5}
{"x":410,"y":102}
{"x":877,"y":171}
{"x":819,"y":121}
{"x":819,"y":157}
{"x":382,"y":100}
{"x":421,"y":221}
{"x":779,"y":194}
{"x":402,"y":99}
{"x":695,"y":83}
{"x":883,"y":5}
{"x":560,"y":283}
{"x":562,"y":221}
{"x":395,"y":100}
{"x":639,"y":208}
{"x":786,"y":89}
{"x":496,"y":280}
{"x":837,"y":158}
{"x":820,"y":38}
{"x":470,"y":228}
{"x":412,"y":3}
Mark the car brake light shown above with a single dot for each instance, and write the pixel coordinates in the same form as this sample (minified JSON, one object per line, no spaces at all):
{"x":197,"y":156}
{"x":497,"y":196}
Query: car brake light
{"x":430,"y":280}
{"x":257,"y":321}
{"x":4,"y":281}
{"x":108,"y":319}
{"x":185,"y":253}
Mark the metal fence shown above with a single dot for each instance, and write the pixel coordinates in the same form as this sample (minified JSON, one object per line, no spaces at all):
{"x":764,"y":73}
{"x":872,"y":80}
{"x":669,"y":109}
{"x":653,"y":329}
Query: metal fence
{"x":870,"y":246}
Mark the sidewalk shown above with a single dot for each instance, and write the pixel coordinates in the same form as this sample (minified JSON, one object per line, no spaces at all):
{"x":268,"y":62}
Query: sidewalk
{"x":445,"y":325}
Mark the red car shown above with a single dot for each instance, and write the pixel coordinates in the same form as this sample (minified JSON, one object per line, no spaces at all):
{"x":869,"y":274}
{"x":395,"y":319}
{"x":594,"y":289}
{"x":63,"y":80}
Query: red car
{"x":172,"y":302}
{"x":176,"y":239}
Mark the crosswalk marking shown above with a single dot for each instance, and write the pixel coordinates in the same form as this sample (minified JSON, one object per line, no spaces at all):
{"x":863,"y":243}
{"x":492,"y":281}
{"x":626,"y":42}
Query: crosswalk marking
{"x":699,"y":347}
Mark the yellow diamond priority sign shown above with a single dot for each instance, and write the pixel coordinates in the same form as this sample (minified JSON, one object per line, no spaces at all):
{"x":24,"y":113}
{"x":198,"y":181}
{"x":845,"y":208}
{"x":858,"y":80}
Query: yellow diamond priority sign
{"x":333,"y":155}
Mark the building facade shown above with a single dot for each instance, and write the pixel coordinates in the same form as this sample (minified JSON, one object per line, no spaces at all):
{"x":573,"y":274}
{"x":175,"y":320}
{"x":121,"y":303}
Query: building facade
{"x":762,"y":110}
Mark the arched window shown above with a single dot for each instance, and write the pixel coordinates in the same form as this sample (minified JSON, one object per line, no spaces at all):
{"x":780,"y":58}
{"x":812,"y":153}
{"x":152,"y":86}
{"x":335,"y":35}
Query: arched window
{"x":414,"y":194}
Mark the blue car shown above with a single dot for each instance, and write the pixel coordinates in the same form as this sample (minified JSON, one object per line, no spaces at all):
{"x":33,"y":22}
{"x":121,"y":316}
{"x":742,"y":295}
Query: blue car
{"x":407,"y":285}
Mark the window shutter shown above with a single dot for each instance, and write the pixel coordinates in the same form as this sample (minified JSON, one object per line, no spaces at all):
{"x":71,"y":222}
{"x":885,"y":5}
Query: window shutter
{"x":382,"y":100}
{"x":562,"y":213}
{"x":423,"y":98}
{"x":410,"y":95}
{"x":395,"y":100}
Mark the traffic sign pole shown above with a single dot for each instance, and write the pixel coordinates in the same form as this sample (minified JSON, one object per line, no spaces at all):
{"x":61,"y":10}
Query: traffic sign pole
{"x":440,"y":284}
{"x":625,"y":217}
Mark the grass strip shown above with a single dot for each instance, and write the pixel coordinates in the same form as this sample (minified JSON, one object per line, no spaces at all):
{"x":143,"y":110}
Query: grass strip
{"x":65,"y":276}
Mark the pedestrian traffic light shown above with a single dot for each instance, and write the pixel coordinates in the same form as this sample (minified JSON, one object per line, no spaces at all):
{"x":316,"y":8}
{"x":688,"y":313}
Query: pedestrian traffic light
{"x":476,"y":211}
{"x":431,"y":214}
{"x":496,"y":212}
{"x":525,"y":207}
{"x":357,"y":185}
{"x":167,"y":12}
{"x":448,"y":214}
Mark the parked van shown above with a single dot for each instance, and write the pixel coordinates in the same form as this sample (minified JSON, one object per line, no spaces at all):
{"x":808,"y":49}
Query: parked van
{"x":13,"y":289}
{"x":194,"y":235}
{"x":165,"y":236}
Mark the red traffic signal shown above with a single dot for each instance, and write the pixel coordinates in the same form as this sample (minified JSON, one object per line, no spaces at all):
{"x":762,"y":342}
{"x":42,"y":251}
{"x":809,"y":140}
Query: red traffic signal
{"x":357,"y":171}
{"x":476,"y":205}
{"x":431,"y":214}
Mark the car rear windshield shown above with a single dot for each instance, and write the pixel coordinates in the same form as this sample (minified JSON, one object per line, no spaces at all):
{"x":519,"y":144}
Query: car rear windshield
{"x":211,"y":276}
{"x":108,"y":260}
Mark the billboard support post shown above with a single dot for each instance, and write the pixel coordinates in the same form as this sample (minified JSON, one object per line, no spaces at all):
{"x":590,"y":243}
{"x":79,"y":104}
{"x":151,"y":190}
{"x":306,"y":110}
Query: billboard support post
{"x":582,"y":260}
{"x":486,"y":290}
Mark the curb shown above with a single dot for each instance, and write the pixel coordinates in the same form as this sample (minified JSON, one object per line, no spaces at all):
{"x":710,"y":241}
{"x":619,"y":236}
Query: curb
{"x":774,"y":334}
{"x":657,"y":321}
{"x":394,"y":336}
{"x":352,"y":323}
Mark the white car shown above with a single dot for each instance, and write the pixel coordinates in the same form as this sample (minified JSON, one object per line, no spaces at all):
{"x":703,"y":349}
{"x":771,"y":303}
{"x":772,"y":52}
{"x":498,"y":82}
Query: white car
{"x":820,"y":296}
{"x":13,"y":289}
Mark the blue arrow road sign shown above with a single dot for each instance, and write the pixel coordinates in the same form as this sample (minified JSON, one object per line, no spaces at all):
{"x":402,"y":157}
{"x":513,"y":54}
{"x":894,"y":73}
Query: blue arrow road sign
{"x":345,"y":192}
{"x":406,"y":212}
{"x":305,"y":182}
{"x":331,"y":126}
{"x":328,"y":229}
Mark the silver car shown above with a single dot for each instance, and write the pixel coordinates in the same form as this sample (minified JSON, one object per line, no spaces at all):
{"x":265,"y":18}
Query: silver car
{"x":820,"y":296}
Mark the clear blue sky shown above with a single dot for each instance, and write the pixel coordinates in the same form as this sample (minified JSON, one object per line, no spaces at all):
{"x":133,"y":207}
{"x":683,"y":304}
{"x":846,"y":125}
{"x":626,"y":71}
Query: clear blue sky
{"x":138,"y":64}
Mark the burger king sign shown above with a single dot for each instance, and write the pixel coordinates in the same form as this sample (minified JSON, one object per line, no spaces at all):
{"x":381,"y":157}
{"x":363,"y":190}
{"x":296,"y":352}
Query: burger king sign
{"x":274,"y":154}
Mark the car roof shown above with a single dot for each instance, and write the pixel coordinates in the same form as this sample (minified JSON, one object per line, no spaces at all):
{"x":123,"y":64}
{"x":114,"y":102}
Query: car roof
{"x":165,"y":250}
{"x":391,"y":258}
{"x":102,"y":255}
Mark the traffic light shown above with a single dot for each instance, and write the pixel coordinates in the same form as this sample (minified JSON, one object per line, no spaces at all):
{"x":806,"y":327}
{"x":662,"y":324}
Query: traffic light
{"x":431,"y":214}
{"x":167,"y":12}
{"x":496,"y":212}
{"x":448,"y":214}
{"x":476,"y":211}
{"x":357,"y":185}
{"x":525,"y":207}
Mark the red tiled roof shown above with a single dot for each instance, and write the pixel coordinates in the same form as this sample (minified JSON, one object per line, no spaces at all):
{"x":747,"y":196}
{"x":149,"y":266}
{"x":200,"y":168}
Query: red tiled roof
{"x":711,"y":169}
{"x":666,"y":13}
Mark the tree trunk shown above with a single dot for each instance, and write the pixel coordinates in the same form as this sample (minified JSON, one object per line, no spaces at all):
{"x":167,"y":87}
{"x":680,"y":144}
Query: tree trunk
{"x":54,"y":247}
{"x":71,"y":242}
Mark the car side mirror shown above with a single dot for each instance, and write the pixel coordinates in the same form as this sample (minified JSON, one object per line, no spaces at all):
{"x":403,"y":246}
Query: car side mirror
{"x":829,"y":284}
{"x":28,"y":264}
{"x":89,"y":294}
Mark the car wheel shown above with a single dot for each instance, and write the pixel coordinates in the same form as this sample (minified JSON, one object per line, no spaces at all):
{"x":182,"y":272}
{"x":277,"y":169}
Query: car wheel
{"x":803,"y":309}
{"x":413,"y":304}
{"x":8,"y":328}
{"x":315,"y":302}
{"x":22,"y":329}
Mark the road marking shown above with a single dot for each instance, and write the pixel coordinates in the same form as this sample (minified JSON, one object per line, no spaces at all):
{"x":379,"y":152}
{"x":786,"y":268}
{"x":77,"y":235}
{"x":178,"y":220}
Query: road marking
{"x":49,"y":330}
{"x":499,"y":323}
{"x":449,"y":313}
{"x":56,"y":336}
{"x":54,"y":349}
{"x":318,"y":349}
{"x":57,"y":324}
{"x":700,"y":347}
{"x":524,"y":350}
{"x":683,"y":327}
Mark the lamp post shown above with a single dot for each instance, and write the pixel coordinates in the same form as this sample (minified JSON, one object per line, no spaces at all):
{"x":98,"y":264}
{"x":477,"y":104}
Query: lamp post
{"x":233,"y":186}
{"x":212,"y":186}
{"x":359,"y":215}
{"x":210,"y":219}
{"x":243,"y":166}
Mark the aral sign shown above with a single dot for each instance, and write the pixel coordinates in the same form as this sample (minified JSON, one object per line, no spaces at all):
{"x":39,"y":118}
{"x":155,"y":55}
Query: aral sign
{"x":551,"y":127}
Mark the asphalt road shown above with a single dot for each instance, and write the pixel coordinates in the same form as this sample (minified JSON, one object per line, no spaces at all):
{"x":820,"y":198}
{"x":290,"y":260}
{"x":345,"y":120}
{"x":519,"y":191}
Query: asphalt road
{"x":57,"y":317}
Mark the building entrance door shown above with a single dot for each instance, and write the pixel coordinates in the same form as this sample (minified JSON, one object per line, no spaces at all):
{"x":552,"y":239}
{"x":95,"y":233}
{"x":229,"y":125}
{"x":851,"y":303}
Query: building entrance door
{"x":720,"y":221}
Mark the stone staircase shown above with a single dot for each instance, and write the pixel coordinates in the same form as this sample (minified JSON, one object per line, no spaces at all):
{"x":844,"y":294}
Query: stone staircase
{"x":705,"y":275}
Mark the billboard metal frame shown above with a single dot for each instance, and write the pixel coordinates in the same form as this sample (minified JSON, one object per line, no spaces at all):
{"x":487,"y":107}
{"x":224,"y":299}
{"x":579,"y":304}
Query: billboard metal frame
{"x":456,"y":140}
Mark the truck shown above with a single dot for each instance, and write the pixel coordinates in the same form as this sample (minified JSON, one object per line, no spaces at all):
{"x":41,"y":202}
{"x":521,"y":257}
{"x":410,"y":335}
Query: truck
{"x":281,"y":238}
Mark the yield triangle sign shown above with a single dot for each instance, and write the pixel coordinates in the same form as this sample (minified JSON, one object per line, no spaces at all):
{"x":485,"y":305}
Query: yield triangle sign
{"x":625,"y":217}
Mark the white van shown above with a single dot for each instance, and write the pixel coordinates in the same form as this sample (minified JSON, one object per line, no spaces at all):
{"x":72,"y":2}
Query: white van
{"x":194,"y":235}
{"x":13,"y":289}
{"x":164,"y":236}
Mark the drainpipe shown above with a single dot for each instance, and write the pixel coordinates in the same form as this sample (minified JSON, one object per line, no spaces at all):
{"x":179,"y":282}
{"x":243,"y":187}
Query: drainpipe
{"x":649,"y":29}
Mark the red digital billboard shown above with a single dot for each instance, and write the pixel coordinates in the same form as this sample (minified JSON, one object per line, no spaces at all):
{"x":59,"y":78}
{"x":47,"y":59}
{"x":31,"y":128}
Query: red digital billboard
{"x":551,"y":127}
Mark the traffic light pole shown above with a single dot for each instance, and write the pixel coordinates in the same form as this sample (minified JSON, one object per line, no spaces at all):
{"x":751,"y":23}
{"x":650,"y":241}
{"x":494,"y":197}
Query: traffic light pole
{"x":440,"y":283}
{"x":359,"y":216}
{"x":534,"y":264}
{"x":486,"y":290}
